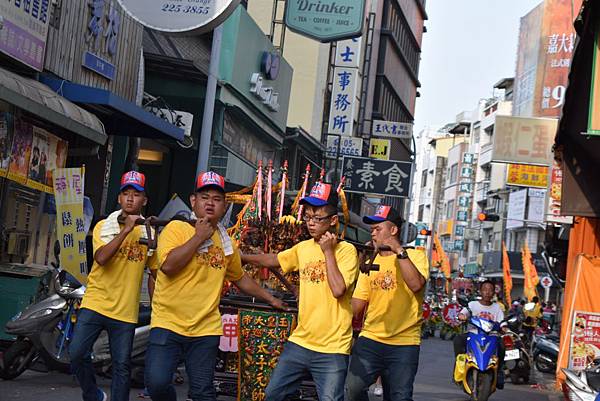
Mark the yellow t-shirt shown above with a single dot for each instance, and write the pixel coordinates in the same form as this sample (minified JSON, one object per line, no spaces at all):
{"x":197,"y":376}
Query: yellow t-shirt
{"x":113,"y":290}
{"x":395,"y":313}
{"x":324,"y":322}
{"x":188,"y":302}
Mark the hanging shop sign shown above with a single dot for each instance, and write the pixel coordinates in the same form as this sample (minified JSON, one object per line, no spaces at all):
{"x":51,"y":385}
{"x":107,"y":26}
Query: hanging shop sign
{"x":392,"y":129}
{"x":527,"y":175}
{"x":372,"y":176}
{"x":517,"y":202}
{"x":593,"y":115}
{"x":343,"y":101}
{"x":554,"y":214}
{"x":349,"y":146}
{"x":325,"y":20}
{"x":180,"y":17}
{"x":380,"y":148}
{"x":70,"y":222}
{"x":261,"y":339}
{"x":24,"y":29}
{"x":524,"y":140}
{"x":348,"y":52}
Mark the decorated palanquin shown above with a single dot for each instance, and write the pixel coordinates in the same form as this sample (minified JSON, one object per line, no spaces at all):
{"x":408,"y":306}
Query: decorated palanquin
{"x":254,"y":333}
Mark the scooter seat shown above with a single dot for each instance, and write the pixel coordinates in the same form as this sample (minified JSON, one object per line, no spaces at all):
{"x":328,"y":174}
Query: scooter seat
{"x":144,"y":316}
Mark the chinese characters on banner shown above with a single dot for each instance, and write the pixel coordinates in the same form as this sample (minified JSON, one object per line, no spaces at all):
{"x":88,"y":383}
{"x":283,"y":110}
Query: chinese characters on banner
{"x":585,"y":340}
{"x":556,"y":50}
{"x":527,"y":175}
{"x":262,"y":335}
{"x":70,"y":226}
{"x":229,"y":340}
{"x":391,"y":129}
{"x":555,"y":196}
{"x":345,"y":86}
{"x":24,"y":30}
{"x":373,"y":176}
{"x":523,"y":140}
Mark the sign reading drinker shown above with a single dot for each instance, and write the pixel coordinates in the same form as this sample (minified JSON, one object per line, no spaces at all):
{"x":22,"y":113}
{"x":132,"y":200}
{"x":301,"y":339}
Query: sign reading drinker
{"x":325,"y":20}
{"x":372,"y":176}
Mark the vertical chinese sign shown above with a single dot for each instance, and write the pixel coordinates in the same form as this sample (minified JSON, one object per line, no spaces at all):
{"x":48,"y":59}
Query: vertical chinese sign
{"x":262,"y":335}
{"x":70,"y":227}
{"x":345,"y":85}
{"x":585,"y":340}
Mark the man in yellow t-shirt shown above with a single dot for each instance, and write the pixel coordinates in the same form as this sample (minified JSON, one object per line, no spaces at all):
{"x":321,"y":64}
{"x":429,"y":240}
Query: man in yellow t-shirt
{"x":389,"y":342}
{"x":321,"y":342}
{"x":112,"y":295}
{"x":186,"y":323}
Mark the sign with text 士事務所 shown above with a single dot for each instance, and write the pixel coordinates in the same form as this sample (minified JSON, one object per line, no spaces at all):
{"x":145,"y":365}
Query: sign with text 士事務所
{"x":373,"y":176}
{"x":325,"y":20}
{"x":343,"y":146}
{"x":524,"y":140}
{"x":24,"y":30}
{"x":176,"y":16}
{"x":70,"y":223}
{"x":343,"y":101}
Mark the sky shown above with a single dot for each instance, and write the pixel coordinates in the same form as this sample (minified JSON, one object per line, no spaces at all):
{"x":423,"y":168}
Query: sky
{"x":468,"y":47}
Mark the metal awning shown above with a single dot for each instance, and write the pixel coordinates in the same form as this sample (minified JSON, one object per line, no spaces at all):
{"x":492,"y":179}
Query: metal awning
{"x":120,"y":116}
{"x":38,"y":99}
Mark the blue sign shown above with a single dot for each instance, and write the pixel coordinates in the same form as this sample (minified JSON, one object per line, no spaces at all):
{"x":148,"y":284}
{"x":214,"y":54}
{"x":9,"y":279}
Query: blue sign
{"x":99,"y":66}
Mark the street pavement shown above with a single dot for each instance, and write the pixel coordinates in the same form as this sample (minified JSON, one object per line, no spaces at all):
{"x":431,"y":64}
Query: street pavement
{"x":432,"y":383}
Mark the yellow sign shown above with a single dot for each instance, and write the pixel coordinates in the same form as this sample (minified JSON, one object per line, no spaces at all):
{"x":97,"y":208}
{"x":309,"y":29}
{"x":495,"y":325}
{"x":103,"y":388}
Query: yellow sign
{"x":445,"y":227}
{"x":527,"y":175}
{"x":380,"y":148}
{"x":70,"y":226}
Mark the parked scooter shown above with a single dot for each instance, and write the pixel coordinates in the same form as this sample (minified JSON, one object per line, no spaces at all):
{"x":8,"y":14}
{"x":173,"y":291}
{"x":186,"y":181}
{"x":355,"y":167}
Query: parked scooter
{"x":44,"y":331}
{"x":582,"y":386}
{"x":517,"y":362}
{"x":545,"y":352}
{"x":476,"y":371}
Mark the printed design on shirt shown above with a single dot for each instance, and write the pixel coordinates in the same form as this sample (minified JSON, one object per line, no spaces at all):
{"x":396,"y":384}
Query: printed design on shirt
{"x":486,"y":315}
{"x":214,"y":258}
{"x":384,"y":281}
{"x":313,"y":272}
{"x":132,"y":251}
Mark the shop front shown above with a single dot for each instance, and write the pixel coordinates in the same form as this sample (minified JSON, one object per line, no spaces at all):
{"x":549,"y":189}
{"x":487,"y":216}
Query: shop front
{"x":253,"y":102}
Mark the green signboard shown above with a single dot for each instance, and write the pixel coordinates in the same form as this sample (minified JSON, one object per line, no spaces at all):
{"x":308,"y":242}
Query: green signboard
{"x":325,"y":20}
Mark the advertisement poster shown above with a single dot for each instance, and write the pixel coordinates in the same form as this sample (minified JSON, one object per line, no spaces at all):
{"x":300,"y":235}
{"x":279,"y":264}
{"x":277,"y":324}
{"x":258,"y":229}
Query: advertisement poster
{"x":38,"y":163}
{"x":57,"y":150}
{"x":555,"y":197}
{"x":21,"y":152}
{"x":5,"y":142}
{"x":70,"y":221}
{"x":262,"y":335}
{"x":527,"y":175}
{"x":585,"y":339}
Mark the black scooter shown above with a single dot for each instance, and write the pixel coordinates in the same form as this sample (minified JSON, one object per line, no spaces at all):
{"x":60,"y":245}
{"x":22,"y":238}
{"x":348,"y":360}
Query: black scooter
{"x":545,"y":352}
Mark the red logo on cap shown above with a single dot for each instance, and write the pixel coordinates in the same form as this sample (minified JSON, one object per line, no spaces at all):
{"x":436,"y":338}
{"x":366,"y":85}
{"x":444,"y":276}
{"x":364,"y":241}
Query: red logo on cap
{"x":133,"y":177}
{"x":320,"y":191}
{"x":210,"y":178}
{"x":382,"y":211}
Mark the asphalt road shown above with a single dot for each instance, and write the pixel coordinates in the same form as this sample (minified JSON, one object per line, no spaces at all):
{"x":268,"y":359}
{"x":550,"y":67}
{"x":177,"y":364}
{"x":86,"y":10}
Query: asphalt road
{"x":433,"y":383}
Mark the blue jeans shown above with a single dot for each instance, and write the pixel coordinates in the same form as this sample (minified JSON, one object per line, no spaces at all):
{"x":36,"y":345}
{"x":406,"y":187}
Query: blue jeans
{"x":396,"y":364}
{"x":328,"y":372}
{"x":166,"y":349}
{"x":120,"y":336}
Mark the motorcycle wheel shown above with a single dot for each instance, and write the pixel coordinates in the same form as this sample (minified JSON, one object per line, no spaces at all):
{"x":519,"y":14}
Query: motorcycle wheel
{"x":17,"y":359}
{"x":483,"y":388}
{"x":543,"y":366}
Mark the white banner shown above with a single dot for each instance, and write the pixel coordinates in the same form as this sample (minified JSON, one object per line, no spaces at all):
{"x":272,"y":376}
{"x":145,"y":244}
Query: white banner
{"x":516,"y":209}
{"x":392,"y":129}
{"x":347,"y":53}
{"x":343,"y":101}
{"x":536,"y":208}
